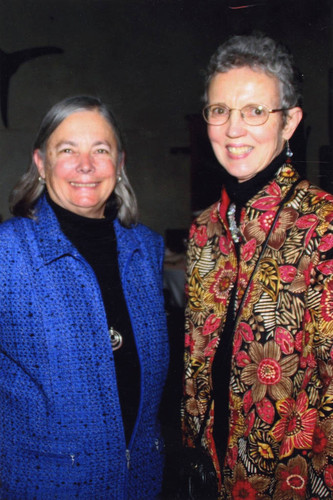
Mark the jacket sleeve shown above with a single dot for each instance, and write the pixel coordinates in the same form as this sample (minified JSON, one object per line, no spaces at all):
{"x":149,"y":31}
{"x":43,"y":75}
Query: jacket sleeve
{"x":191,"y":411}
{"x":305,"y":426}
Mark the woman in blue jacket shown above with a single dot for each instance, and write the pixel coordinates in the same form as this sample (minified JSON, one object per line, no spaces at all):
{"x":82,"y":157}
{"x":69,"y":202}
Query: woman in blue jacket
{"x":83,"y":340}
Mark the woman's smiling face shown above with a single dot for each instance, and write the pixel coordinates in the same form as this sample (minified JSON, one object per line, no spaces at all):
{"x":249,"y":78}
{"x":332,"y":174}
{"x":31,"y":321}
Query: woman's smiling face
{"x":80,"y":163}
{"x":242,"y":149}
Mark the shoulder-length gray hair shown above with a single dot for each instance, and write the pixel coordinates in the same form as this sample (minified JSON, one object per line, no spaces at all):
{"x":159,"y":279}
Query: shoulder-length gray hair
{"x":260,"y":53}
{"x":28,"y":189}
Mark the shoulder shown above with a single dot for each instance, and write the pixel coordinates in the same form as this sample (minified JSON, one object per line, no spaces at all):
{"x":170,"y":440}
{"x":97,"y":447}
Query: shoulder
{"x":150,"y":241}
{"x":17,"y":240}
{"x":145,"y":233}
{"x":313,"y":199}
{"x":139,"y":236}
{"x":12,"y":229}
{"x":210,"y":214}
{"x":314,"y":207}
{"x":209,"y":221}
{"x":310,"y":188}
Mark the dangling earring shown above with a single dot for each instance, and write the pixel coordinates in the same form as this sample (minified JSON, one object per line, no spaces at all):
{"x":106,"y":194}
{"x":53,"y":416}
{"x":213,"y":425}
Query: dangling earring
{"x":41,"y":180}
{"x":289,"y":152}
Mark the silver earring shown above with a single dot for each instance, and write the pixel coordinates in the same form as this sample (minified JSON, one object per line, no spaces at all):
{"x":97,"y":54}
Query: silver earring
{"x":119,"y":178}
{"x":289,"y":152}
{"x":41,"y":180}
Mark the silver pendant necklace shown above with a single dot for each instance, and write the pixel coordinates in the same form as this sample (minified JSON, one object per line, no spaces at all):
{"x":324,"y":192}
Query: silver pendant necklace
{"x":116,"y":338}
{"x":234,"y":229}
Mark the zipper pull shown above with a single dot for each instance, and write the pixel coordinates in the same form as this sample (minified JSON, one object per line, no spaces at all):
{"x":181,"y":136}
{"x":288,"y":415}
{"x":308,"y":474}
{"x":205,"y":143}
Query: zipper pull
{"x":72,"y":458}
{"x":128,"y":459}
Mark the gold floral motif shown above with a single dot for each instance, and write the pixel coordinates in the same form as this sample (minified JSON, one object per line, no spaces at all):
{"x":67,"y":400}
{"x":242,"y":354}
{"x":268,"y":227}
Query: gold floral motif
{"x":263,"y":450}
{"x":195,"y":291}
{"x":269,"y":276}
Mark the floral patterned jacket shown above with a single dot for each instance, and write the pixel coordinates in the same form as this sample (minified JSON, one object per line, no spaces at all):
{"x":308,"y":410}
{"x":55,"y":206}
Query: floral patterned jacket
{"x":280,"y":442}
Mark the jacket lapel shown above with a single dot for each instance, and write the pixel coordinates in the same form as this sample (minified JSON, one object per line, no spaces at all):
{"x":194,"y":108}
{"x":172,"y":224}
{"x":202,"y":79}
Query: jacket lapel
{"x":127,"y":244}
{"x":52,"y":243}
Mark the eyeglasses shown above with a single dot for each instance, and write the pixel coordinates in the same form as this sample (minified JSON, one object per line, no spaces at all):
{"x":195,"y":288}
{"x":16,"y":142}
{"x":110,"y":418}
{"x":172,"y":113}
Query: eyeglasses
{"x":252,"y":114}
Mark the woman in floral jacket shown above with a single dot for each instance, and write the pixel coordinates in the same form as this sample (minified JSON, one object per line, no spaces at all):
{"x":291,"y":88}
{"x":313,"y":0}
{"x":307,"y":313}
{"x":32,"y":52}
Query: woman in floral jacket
{"x":259,"y":340}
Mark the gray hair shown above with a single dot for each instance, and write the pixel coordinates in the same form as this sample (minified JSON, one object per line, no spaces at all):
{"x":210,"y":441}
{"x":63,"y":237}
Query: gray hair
{"x":28,"y":189}
{"x":260,"y":53}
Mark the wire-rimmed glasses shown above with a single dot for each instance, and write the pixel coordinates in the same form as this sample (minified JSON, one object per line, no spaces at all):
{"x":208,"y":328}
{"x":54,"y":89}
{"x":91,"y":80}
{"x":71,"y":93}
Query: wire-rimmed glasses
{"x":252,"y":114}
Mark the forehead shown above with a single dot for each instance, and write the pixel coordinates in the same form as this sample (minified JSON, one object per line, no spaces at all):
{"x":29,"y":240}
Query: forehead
{"x":244,"y":86}
{"x":83,"y":125}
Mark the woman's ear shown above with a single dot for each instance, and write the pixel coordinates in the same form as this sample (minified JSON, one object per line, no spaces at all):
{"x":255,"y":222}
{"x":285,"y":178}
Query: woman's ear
{"x":294,"y":117}
{"x":39,"y":161}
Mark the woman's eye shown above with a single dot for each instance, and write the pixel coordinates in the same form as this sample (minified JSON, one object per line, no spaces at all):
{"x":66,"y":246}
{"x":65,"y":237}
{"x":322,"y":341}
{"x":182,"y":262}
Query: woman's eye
{"x":219,"y":110}
{"x":255,"y":110}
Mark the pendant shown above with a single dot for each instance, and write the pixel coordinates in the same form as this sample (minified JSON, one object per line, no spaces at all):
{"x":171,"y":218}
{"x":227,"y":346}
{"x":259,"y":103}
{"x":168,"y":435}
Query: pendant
{"x":116,"y":339}
{"x":235,"y":232}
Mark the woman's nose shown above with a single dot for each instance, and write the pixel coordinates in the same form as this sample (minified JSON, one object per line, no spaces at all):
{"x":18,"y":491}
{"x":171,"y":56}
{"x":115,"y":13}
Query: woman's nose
{"x":235,"y":124}
{"x":85,"y":164}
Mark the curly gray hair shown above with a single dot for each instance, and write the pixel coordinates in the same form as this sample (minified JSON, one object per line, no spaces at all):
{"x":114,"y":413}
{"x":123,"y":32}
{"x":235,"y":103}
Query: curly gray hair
{"x":260,"y":53}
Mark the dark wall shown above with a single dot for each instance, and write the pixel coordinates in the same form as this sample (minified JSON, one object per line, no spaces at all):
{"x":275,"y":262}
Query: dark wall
{"x":145,"y":58}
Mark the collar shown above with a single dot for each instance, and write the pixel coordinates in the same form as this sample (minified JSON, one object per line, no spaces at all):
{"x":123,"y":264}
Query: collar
{"x":67,"y":217}
{"x":53,"y":244}
{"x":50,"y":239}
{"x":272,"y":192}
{"x":128,"y":242}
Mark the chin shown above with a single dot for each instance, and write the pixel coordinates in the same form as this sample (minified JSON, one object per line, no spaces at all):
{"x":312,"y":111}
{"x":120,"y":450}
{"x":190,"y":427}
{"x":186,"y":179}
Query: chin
{"x":240,"y":176}
{"x":243,"y":173}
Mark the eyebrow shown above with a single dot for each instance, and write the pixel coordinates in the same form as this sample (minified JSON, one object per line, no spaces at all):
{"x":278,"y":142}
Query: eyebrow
{"x":73,"y":143}
{"x":63,"y":143}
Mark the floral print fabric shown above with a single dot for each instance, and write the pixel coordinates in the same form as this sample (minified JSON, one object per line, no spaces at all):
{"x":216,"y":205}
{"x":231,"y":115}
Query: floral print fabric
{"x":280,"y":442}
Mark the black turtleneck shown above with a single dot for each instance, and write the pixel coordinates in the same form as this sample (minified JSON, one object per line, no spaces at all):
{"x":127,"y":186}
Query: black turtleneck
{"x":239,"y":193}
{"x":95,"y":240}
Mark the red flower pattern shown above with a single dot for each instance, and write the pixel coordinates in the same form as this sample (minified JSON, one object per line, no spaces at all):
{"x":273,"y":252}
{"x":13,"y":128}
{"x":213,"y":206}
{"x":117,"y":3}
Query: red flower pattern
{"x":328,"y":476}
{"x":201,"y":236}
{"x":259,"y":228}
{"x":287,"y":273}
{"x":285,"y":340}
{"x":296,"y":427}
{"x":292,"y":480}
{"x":269,"y":372}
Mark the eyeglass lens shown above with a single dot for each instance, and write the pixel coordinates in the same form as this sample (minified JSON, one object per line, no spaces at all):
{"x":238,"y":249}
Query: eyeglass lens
{"x":253,"y":114}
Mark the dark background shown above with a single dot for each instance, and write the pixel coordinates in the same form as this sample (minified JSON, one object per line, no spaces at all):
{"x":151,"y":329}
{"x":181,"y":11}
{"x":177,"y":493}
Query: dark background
{"x":146,"y":58}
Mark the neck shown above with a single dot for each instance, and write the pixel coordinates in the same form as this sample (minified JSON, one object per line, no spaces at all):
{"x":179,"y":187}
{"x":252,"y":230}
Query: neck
{"x":241,"y":192}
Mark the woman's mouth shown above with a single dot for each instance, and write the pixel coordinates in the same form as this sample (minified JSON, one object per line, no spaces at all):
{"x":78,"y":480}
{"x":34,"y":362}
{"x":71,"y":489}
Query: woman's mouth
{"x":239,"y":150}
{"x":84,"y":184}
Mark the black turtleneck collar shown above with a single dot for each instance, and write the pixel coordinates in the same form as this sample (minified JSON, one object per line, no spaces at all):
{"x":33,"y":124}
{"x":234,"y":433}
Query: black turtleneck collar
{"x":241,"y":192}
{"x":74,"y":225}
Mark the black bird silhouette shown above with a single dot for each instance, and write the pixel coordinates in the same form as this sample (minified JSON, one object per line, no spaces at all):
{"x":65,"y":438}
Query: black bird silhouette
{"x":9,"y":63}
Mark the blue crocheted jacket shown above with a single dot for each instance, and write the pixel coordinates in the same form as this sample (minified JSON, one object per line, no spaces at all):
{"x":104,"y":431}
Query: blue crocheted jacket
{"x":61,"y":431}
